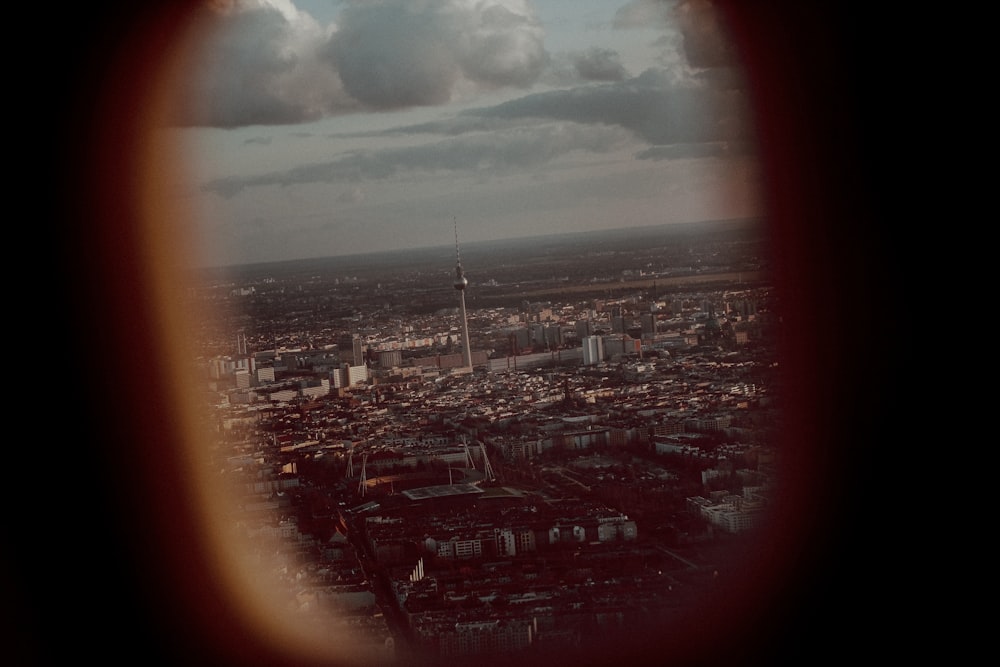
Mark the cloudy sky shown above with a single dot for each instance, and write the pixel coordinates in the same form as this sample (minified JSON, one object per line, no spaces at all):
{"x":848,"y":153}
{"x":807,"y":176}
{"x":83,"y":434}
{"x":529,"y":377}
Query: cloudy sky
{"x":328,"y":127}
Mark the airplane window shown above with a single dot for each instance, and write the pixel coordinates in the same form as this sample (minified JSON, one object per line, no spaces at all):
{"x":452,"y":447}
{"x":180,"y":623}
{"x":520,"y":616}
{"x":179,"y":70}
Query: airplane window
{"x":474,"y":324}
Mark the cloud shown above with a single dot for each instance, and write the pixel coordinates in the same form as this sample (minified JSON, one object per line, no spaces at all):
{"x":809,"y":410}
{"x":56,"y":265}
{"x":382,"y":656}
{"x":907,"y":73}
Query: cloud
{"x":453,"y":126}
{"x":709,"y":107}
{"x":649,"y":105}
{"x":643,"y":14}
{"x":705,"y":40}
{"x":264,"y":62}
{"x":397,"y":53}
{"x":501,"y":152}
{"x":701,"y":119}
{"x":257,"y":63}
{"x":597,"y":64}
{"x":353,"y":195}
{"x":701,"y":150}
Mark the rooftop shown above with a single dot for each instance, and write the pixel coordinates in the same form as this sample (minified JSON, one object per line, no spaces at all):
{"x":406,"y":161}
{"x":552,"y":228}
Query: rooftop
{"x":442,"y":491}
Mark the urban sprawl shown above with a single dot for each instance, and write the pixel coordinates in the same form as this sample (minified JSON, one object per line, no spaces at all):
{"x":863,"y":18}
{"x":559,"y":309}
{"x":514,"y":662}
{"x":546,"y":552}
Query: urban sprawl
{"x":589,"y":475}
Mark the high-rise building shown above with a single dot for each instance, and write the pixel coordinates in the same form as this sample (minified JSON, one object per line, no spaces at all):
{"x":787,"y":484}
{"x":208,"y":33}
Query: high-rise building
{"x":358,"y":347}
{"x":352,"y":349}
{"x":348,"y":376}
{"x":538,"y":334}
{"x":522,"y":340}
{"x":621,"y":344}
{"x":553,"y":336}
{"x":648,"y":321}
{"x":593,"y":350}
{"x":617,"y":320}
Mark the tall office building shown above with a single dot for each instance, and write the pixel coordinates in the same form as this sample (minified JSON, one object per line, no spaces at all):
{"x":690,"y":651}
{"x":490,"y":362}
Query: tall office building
{"x":593,"y":350}
{"x":648,"y":321}
{"x":538,"y":334}
{"x":358,"y":346}
{"x":553,"y":336}
{"x":521,"y":340}
{"x":352,"y":349}
{"x":617,"y":319}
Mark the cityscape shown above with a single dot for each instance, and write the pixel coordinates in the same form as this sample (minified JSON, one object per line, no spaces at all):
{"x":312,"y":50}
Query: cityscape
{"x":361,"y":491}
{"x":540,"y":447}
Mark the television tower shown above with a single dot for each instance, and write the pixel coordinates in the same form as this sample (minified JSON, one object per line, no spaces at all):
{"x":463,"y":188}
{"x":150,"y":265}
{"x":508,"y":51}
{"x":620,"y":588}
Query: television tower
{"x":461,"y":282}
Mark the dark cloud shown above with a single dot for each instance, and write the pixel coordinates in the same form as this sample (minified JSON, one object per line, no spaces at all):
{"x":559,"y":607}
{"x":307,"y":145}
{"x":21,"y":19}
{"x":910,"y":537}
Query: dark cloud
{"x":691,"y":120}
{"x":710,"y":108}
{"x":388,"y":58}
{"x":257,"y":64}
{"x":510,"y":151}
{"x":597,"y":64}
{"x":261,"y":65}
{"x":454,"y":126}
{"x":648,"y":105}
{"x":396,"y":53}
{"x":702,"y":150}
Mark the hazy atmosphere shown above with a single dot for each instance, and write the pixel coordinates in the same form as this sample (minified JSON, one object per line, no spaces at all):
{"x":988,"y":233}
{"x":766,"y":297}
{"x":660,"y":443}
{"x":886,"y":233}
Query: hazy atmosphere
{"x":320,"y":128}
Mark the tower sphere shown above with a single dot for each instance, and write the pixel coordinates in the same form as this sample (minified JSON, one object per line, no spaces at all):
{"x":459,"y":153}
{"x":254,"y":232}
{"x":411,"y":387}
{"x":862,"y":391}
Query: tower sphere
{"x":461,"y":282}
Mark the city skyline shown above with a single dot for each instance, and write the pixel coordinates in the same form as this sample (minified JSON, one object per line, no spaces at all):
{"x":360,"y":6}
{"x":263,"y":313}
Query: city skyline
{"x":815,"y":70}
{"x":544,"y":503}
{"x":326,"y":129}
